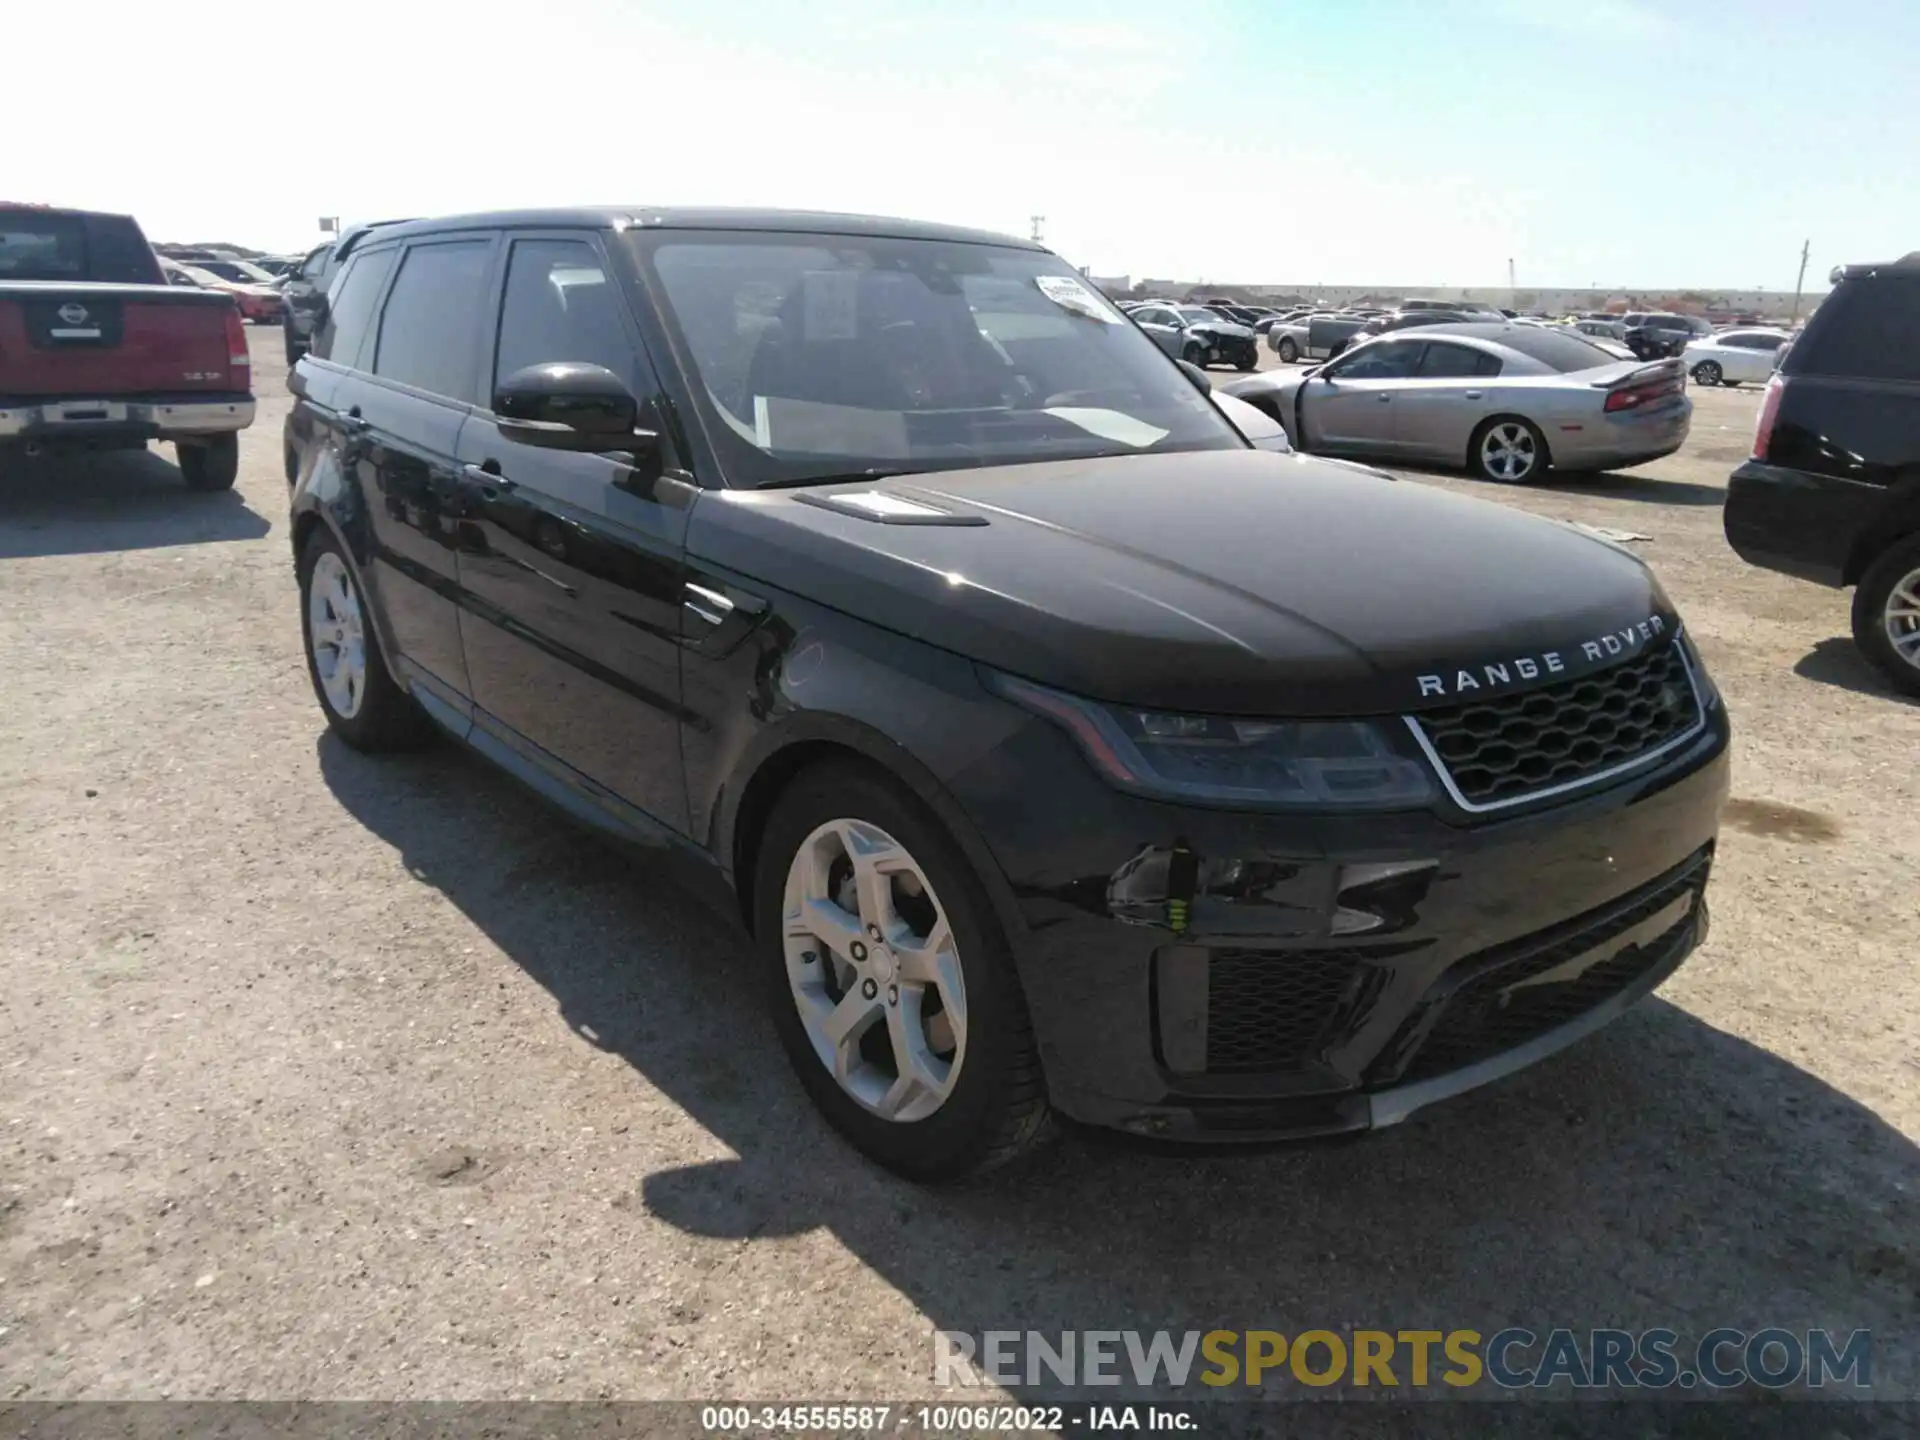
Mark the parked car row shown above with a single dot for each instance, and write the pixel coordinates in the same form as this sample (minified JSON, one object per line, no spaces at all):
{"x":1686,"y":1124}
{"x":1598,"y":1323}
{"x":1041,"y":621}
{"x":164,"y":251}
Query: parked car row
{"x":258,"y":299}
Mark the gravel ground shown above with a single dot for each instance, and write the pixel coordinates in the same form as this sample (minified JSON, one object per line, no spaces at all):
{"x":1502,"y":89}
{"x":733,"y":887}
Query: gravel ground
{"x":323,"y":1076}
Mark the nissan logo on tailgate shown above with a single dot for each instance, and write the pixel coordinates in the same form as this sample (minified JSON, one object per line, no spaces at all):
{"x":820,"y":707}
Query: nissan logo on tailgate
{"x":73,"y":313}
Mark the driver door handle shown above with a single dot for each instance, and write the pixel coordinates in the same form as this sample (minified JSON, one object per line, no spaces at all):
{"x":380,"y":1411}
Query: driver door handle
{"x":1475,"y":394}
{"x":491,"y":482}
{"x":1383,"y":397}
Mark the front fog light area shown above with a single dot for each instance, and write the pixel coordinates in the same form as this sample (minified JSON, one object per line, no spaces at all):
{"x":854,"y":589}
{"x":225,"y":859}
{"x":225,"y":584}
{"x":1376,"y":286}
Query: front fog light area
{"x":1227,"y":761}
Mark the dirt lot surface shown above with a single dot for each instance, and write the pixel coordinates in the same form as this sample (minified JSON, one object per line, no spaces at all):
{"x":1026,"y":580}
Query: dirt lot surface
{"x":322,"y":1076}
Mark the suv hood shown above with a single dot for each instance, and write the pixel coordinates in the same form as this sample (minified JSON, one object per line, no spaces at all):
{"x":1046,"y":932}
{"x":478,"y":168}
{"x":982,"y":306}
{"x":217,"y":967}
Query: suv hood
{"x":1227,"y":582}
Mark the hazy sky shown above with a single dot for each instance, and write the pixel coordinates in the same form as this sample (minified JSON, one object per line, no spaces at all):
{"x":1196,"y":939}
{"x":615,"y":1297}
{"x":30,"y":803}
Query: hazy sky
{"x":1623,"y":142}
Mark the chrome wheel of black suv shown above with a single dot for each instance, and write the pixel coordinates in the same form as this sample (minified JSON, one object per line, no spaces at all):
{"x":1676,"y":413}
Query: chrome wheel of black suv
{"x":1886,"y":614}
{"x":362,"y":704}
{"x":890,"y":980}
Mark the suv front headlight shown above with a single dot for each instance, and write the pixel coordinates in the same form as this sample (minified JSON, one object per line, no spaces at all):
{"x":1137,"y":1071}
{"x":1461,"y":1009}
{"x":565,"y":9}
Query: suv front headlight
{"x":1232,"y":762}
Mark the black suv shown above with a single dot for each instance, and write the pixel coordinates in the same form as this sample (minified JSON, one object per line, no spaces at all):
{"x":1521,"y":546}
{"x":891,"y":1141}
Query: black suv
{"x":1059,"y":750}
{"x":1654,"y":337}
{"x":1832,"y":493}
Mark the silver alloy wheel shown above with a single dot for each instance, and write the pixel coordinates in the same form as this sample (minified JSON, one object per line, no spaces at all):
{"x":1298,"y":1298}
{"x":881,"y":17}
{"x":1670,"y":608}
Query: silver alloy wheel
{"x":874,"y":972}
{"x":1707,"y":373}
{"x":1508,"y":451}
{"x":1902,"y":619}
{"x":339,"y":636}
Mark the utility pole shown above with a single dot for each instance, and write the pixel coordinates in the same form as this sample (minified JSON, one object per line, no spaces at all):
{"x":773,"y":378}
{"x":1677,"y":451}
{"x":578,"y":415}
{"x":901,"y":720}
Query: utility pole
{"x":1039,"y":224}
{"x":1512,"y":285}
{"x":1797,"y":284}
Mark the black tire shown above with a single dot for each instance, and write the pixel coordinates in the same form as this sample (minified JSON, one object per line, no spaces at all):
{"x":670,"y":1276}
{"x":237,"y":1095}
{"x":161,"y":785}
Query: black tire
{"x":1288,"y":351}
{"x":212,"y":464}
{"x":1476,"y":461}
{"x":1899,"y":562}
{"x":1195,"y":355}
{"x":1251,"y":362}
{"x":290,"y":461}
{"x":388,"y":719}
{"x":1707,"y":372}
{"x":296,"y":347}
{"x":998,"y":1105}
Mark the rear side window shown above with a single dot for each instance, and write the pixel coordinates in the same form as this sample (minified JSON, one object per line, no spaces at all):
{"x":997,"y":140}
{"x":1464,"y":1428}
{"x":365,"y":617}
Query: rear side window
{"x":350,"y":306}
{"x":560,"y":304}
{"x":1456,"y":362}
{"x":428,"y":330}
{"x":315,"y":262}
{"x":1868,"y":330}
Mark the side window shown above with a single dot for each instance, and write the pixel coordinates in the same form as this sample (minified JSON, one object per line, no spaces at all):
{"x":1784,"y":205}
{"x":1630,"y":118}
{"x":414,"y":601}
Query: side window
{"x":1383,"y":360}
{"x":315,"y":262}
{"x":1871,"y":331}
{"x":1455,"y":362}
{"x":560,"y":304}
{"x":1147,"y":315}
{"x":430,"y":326}
{"x":350,"y":306}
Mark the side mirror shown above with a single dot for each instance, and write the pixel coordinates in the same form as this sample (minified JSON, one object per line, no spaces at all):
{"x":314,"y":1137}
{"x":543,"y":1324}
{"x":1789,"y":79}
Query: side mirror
{"x":1196,"y":376}
{"x":563,"y":405}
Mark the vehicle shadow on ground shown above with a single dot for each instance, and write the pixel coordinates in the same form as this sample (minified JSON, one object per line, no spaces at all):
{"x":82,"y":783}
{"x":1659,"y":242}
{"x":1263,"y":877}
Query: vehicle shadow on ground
{"x":1592,"y":484}
{"x":1663,"y":1173}
{"x":111,"y":500}
{"x":1837,"y":661}
{"x":1641,"y":489}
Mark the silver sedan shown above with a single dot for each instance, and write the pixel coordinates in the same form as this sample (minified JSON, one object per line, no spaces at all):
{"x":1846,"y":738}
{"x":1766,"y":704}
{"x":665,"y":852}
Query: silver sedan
{"x":1506,"y":401}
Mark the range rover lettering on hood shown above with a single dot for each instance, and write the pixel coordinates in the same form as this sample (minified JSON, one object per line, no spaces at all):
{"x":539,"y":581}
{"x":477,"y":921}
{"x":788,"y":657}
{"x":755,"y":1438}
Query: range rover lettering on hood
{"x":1496,"y":676}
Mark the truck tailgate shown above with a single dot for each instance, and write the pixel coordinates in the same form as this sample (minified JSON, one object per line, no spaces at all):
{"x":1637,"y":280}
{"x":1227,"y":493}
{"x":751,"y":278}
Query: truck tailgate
{"x":59,"y":339}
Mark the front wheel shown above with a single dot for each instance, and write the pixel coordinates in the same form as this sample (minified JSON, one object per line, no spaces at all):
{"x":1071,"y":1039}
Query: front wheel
{"x":1195,"y":355}
{"x":1250,"y":362}
{"x":1289,"y":352}
{"x":1508,"y":451}
{"x":211,"y":464}
{"x":1707,"y":373}
{"x":891,"y":981}
{"x":1886,"y":614}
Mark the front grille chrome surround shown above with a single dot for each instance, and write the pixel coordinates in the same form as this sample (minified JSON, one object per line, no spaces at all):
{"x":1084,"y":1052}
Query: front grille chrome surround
{"x":1480,"y":799}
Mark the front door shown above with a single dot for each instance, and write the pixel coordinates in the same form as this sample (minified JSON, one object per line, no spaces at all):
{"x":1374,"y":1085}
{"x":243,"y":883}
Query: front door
{"x":571,"y":575}
{"x":1348,"y":405}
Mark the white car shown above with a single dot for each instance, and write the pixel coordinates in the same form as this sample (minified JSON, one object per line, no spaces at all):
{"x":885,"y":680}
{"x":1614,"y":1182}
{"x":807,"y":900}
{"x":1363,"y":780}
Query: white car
{"x":1733,"y":356}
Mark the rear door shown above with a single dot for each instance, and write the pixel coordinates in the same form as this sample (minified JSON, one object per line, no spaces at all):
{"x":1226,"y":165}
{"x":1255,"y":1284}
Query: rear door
{"x":403,"y":409}
{"x":1163,"y":325}
{"x":1447,"y":396}
{"x":1349,"y":403}
{"x":572,"y":572}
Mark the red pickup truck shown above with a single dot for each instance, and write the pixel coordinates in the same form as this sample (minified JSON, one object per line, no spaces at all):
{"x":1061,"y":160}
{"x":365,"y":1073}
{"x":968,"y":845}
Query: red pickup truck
{"x":98,"y":352}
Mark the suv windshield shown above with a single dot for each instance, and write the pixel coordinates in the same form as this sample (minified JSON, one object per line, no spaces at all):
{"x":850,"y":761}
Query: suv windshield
{"x":824,"y":356}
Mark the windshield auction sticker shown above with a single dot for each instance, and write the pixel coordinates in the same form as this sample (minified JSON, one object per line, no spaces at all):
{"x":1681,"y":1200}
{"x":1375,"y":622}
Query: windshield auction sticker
{"x":1071,"y":294}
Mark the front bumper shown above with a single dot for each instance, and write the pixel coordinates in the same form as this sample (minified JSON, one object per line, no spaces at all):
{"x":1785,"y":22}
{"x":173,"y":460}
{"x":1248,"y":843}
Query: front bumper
{"x":114,"y":419}
{"x":1332,"y":974}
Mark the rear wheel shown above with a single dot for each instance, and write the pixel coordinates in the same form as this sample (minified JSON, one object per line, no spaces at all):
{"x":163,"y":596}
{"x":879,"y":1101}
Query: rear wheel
{"x":891,"y":981}
{"x":362,"y":703}
{"x":211,"y":464}
{"x":1708,"y":372}
{"x":1289,"y":352}
{"x":1508,"y":450}
{"x":1886,"y":614}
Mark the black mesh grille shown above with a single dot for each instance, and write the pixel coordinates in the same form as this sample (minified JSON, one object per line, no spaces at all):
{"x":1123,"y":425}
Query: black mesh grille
{"x":1508,"y":748}
{"x":1476,"y":1024}
{"x":1268,"y":1009}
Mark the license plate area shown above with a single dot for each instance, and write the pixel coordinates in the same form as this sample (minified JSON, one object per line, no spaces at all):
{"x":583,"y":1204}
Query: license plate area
{"x":84,"y":412}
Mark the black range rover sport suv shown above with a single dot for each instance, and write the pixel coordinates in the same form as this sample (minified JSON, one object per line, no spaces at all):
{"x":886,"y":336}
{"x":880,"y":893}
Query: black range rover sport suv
{"x":1060,"y":750}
